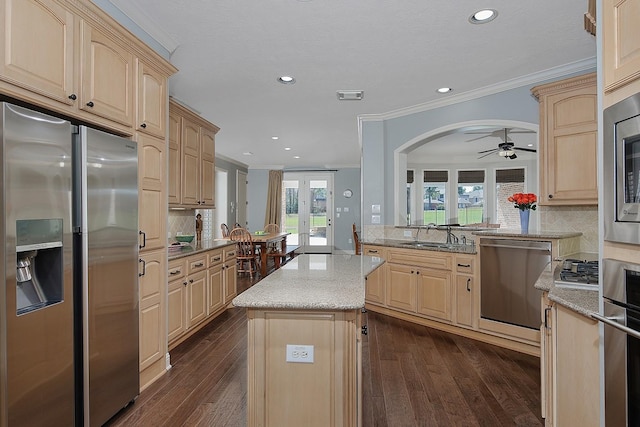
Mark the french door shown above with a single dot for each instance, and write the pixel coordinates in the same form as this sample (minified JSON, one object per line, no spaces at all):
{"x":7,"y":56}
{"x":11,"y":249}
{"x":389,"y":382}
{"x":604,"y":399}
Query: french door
{"x":307,"y":211}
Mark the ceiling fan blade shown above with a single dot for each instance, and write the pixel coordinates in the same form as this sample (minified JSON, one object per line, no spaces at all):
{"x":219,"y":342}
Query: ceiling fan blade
{"x":485,"y":155}
{"x":488,"y":151}
{"x":531,"y":150}
{"x":475,"y":139}
{"x":522,"y":131}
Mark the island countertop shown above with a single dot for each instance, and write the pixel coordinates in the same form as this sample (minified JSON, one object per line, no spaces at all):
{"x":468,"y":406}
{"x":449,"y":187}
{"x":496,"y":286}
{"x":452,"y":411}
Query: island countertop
{"x":313,"y":282}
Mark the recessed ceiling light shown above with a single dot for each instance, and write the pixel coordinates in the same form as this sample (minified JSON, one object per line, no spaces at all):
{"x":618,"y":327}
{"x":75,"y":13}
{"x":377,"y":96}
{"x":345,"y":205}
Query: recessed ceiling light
{"x":296,"y":157}
{"x":287,"y":148}
{"x":274,"y":137}
{"x":286,"y":80}
{"x":444,"y":90}
{"x":248,"y":153}
{"x":483,"y":16}
{"x":529,"y":145}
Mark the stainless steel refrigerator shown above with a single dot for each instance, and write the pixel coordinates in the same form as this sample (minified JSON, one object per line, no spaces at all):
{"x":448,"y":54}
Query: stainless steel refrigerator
{"x":69,"y":245}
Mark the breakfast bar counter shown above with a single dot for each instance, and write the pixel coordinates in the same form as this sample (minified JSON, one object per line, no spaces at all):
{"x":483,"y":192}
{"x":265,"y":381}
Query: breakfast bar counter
{"x":304,"y":350}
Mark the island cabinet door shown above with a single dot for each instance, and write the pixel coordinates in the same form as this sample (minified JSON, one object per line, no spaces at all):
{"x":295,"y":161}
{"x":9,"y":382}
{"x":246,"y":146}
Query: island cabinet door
{"x":401,"y":287}
{"x":303,"y":368}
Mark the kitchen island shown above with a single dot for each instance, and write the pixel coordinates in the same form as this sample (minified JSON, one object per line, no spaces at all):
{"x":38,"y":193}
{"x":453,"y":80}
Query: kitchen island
{"x":304,"y":341}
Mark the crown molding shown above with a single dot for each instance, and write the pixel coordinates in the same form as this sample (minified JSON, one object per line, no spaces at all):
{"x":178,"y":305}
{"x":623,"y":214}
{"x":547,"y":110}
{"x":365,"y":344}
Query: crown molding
{"x":588,"y":64}
{"x":137,"y":15}
{"x":230,"y":160}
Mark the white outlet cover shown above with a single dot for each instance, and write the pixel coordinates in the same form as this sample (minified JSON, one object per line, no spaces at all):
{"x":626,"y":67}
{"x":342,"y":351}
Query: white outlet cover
{"x":407,"y":233}
{"x":297,"y":353}
{"x":346,"y":209}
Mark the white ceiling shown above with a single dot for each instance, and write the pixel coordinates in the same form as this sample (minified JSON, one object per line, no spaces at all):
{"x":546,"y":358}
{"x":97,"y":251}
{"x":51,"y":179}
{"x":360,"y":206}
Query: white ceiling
{"x":230,"y":54}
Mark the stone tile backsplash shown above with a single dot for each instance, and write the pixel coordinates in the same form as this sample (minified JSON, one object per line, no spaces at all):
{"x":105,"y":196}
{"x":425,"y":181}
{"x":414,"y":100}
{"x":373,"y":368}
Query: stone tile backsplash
{"x":181,"y":221}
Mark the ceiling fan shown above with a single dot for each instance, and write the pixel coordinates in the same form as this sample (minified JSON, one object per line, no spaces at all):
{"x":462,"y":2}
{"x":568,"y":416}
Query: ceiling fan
{"x":507,"y":147}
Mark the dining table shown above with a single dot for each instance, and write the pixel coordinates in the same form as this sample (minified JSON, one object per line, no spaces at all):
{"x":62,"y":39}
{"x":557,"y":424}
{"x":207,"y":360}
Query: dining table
{"x":264,"y":241}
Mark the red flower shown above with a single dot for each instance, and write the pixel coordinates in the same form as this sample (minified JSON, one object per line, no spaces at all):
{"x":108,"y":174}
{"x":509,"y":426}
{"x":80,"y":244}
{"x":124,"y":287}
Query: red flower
{"x":524,"y":201}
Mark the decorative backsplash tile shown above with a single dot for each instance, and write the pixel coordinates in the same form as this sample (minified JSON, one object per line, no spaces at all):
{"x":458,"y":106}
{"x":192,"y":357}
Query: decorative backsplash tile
{"x":181,"y":221}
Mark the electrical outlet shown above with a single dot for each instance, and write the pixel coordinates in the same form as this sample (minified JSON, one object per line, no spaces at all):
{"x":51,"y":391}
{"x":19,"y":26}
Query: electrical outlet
{"x":407,"y":233}
{"x":350,"y":240}
{"x":299,"y":353}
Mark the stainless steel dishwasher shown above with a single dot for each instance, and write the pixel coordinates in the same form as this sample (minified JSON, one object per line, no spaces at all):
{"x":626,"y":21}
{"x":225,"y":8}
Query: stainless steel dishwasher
{"x":508,"y":270}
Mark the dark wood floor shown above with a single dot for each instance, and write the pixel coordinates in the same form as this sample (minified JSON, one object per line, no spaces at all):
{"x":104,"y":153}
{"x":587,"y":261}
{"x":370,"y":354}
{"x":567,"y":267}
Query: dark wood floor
{"x":412,"y":376}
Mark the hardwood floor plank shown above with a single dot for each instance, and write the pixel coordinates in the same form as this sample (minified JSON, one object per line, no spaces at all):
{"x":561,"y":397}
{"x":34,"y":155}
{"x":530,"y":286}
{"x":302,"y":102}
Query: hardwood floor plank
{"x":412,"y":376}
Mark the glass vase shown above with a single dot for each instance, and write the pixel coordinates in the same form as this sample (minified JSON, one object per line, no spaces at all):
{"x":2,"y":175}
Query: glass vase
{"x":524,"y":221}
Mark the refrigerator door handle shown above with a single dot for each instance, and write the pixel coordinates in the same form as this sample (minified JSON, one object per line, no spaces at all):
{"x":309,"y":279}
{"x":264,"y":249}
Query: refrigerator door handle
{"x":144,"y":267}
{"x":144,"y":239}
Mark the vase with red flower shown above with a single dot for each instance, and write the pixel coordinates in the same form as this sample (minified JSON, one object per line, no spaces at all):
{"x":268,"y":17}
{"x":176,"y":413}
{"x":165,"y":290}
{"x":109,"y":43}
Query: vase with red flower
{"x":525,"y":202}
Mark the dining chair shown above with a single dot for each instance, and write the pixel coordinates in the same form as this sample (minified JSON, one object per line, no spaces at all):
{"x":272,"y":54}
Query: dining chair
{"x":247,"y":256}
{"x":356,"y":240}
{"x":225,"y":230}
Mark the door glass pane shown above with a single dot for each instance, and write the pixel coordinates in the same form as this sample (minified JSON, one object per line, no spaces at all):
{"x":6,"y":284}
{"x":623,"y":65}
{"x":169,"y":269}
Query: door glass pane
{"x":318,"y":213}
{"x":291,"y":214}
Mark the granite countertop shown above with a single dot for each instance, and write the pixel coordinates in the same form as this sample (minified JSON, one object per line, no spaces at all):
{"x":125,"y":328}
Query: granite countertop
{"x":582,"y":301}
{"x":409,"y":244}
{"x":197,"y":247}
{"x":313,"y":282}
{"x":533,"y":234}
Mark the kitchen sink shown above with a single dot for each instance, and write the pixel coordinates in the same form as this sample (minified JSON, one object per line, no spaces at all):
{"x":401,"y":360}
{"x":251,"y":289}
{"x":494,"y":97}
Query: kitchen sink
{"x":437,"y":245}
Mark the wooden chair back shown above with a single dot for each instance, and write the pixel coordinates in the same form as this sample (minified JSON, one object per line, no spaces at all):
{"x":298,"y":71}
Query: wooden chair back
{"x":225,"y":230}
{"x":272,"y":228}
{"x":356,"y":240}
{"x":245,"y":250}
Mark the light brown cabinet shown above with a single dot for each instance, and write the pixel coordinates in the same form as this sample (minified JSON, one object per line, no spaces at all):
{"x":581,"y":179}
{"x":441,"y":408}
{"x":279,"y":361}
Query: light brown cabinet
{"x":38,"y":50}
{"x":191,"y":159}
{"x":621,"y":43}
{"x":568,"y":130}
{"x":153,"y":341}
{"x":151,"y":100}
{"x":401,"y":288}
{"x":152,"y":184}
{"x":335,"y":372}
{"x":375,"y":288}
{"x":465,"y":291}
{"x":107,"y":76}
{"x":176,"y":299}
{"x":196,"y":290}
{"x":570,"y":367}
{"x":200,"y":287}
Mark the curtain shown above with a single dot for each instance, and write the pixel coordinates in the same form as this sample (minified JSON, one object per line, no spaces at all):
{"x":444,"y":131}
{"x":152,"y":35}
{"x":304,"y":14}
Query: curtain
{"x":273,"y":214}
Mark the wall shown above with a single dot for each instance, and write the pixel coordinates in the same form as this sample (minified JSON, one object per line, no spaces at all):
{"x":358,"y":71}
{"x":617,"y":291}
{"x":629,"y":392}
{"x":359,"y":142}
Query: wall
{"x":232,"y":168}
{"x":382,"y":137}
{"x":342,"y":179}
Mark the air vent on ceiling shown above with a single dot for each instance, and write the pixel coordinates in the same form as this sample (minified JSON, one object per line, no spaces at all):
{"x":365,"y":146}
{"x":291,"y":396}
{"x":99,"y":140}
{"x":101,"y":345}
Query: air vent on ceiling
{"x":350,"y":95}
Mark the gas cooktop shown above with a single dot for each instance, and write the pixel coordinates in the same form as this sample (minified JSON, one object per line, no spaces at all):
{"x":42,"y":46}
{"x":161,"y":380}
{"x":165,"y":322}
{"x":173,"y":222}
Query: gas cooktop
{"x":577,"y":273}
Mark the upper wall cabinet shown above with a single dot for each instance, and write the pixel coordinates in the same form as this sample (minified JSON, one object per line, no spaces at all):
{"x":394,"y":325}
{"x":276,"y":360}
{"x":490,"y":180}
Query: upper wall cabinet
{"x":68,"y":56}
{"x":191,"y":159}
{"x":107,"y":77}
{"x":37,"y":47}
{"x":621,"y":42}
{"x":568,"y":141}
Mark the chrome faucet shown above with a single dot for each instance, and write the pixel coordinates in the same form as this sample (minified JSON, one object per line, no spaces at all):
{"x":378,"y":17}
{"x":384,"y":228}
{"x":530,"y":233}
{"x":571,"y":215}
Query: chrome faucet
{"x":451,"y":238}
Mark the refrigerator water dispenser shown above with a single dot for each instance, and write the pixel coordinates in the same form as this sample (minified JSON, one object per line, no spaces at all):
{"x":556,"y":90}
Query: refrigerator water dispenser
{"x":39,"y":264}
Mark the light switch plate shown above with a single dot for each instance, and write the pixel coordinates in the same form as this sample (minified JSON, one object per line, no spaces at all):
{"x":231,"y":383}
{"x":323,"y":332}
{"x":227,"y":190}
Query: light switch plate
{"x":297,"y":353}
{"x":375,"y":219}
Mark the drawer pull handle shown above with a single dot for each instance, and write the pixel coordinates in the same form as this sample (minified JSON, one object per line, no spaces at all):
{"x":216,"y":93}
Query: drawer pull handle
{"x":217,"y":258}
{"x":174,"y":272}
{"x":370,"y":251}
{"x":468,"y":283}
{"x":464,"y":265}
{"x":199,"y":265}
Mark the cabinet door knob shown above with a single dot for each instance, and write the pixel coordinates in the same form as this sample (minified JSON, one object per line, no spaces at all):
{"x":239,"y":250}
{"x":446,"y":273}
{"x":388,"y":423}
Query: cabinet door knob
{"x":551,"y":196}
{"x":144,"y":125}
{"x":90,"y":104}
{"x":73,"y":97}
{"x":364,"y":330}
{"x":184,"y":283}
{"x":190,"y":280}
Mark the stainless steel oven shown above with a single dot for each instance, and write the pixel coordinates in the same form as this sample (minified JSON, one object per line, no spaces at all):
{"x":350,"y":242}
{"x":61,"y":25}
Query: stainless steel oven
{"x":622,"y":171}
{"x":621,"y":299}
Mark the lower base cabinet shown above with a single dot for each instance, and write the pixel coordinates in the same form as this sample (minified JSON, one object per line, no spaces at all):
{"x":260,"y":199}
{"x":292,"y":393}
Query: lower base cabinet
{"x":570,"y":368}
{"x":200,"y":287}
{"x":326,"y":392}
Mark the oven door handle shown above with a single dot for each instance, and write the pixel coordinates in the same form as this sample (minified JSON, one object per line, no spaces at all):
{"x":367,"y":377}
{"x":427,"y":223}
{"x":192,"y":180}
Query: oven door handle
{"x":609,"y":321}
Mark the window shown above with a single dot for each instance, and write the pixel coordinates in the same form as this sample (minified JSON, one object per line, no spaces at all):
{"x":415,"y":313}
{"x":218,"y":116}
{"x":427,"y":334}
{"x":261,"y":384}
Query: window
{"x":434,"y":206}
{"x":508,"y":182}
{"x":470,"y":197}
